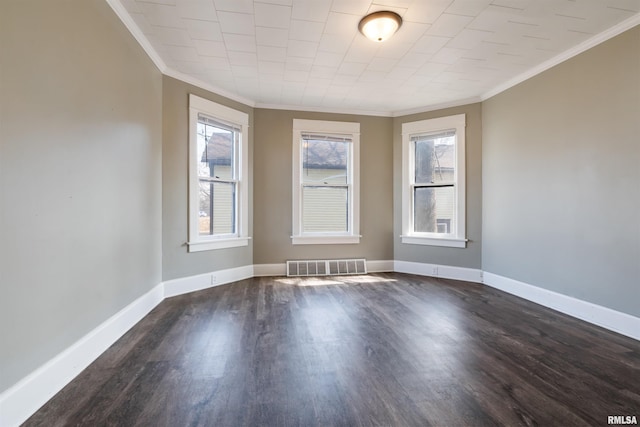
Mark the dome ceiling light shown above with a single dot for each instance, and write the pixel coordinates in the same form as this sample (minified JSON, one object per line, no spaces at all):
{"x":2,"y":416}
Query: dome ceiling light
{"x":380,"y":26}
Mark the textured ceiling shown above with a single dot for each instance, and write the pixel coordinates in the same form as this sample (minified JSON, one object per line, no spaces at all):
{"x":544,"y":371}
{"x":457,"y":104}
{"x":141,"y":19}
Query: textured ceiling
{"x":308,"y":54}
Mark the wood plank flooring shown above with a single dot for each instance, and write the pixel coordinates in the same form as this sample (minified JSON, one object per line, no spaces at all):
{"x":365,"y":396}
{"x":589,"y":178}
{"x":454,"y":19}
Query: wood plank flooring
{"x":377,"y":350}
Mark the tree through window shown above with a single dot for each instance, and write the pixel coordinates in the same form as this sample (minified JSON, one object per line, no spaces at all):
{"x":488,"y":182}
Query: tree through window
{"x":218,"y":166}
{"x":433,"y":182}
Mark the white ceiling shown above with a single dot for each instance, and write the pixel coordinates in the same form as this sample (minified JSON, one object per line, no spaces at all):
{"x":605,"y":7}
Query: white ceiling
{"x":309,"y":55}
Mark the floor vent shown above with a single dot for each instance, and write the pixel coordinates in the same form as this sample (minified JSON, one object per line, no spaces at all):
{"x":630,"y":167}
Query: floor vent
{"x":328,"y":267}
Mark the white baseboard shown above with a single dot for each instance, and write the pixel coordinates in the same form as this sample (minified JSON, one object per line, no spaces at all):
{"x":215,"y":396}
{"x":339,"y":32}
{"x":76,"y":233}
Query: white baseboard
{"x":262,"y":270}
{"x":435,"y":270}
{"x":199,"y":282}
{"x":24,"y":398}
{"x":378,"y":266}
{"x":607,"y":318}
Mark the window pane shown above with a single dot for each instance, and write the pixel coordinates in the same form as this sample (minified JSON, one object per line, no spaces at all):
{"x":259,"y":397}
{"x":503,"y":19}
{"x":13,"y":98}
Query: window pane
{"x":324,"y":162}
{"x":217,"y":208}
{"x":434,"y":209}
{"x":435,"y":158}
{"x":216,"y":149}
{"x":325,"y":209}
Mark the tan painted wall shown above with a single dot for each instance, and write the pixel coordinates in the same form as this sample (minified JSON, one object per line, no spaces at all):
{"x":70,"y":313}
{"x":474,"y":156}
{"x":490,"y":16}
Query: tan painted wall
{"x":93,"y":179}
{"x":80,"y":176}
{"x":561,"y":174}
{"x":272,"y":189}
{"x":176,"y":261}
{"x":469,"y":257}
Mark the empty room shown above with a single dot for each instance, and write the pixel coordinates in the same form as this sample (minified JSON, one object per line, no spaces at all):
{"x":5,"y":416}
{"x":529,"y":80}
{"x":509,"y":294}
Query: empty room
{"x":319,"y":212}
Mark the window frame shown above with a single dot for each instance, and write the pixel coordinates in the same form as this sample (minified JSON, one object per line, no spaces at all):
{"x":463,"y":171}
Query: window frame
{"x":456,"y":239}
{"x":352,"y":236}
{"x":233,"y":118}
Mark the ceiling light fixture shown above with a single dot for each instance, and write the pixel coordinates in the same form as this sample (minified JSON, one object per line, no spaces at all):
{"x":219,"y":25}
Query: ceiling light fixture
{"x":380,"y":26}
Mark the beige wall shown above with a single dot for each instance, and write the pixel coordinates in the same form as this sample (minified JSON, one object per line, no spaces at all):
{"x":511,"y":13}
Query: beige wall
{"x":469,"y":257}
{"x":273,"y":187}
{"x":80,"y":176}
{"x":93,"y":179}
{"x":176,"y":261}
{"x":561,"y":174}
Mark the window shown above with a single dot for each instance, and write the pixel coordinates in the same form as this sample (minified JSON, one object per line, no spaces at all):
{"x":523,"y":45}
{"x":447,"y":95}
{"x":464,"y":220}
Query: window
{"x":325,"y":182}
{"x":218,"y":196}
{"x":433,"y":177}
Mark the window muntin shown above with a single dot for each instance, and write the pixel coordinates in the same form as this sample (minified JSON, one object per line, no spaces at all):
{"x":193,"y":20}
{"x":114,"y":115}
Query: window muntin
{"x":433,"y":192}
{"x":434,"y":182}
{"x":218,"y":159}
{"x":218,"y":177}
{"x":325,"y":182}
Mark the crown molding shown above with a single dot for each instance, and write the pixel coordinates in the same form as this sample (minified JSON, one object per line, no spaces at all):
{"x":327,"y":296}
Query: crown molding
{"x":141,"y":38}
{"x":599,"y":38}
{"x":602,"y":37}
{"x":170,"y":72}
{"x":135,"y":31}
{"x":399,"y":113}
{"x":435,"y":107}
{"x":324,"y":110}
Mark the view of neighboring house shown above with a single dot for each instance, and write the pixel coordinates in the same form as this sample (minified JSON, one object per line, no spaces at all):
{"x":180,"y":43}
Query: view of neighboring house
{"x":434,"y":177}
{"x":326,"y":186}
{"x":216,"y":174}
{"x":325,"y":182}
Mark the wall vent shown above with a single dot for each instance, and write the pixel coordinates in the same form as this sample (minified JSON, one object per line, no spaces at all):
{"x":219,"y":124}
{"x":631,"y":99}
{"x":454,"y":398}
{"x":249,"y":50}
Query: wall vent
{"x":327,"y":267}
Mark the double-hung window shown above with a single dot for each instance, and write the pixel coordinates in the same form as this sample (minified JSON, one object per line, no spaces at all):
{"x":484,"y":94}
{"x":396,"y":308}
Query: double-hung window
{"x":433,"y":192}
{"x":325,"y":182}
{"x":218,"y":196}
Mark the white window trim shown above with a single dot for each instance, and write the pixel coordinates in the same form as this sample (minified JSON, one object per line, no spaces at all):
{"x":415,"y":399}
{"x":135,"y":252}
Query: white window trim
{"x":330,"y":127}
{"x":459,"y":240}
{"x":197,"y":242}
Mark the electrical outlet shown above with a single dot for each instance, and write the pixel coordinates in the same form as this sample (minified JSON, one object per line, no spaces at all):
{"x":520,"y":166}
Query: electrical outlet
{"x":213,"y":279}
{"x":434,"y":270}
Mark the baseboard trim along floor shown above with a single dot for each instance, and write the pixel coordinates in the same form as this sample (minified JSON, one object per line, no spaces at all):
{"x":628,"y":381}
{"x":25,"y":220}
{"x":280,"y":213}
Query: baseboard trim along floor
{"x":24,"y":398}
{"x":604,"y":317}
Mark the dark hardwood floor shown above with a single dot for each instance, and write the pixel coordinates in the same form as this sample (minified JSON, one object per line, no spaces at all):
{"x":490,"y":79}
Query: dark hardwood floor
{"x":383,"y":349}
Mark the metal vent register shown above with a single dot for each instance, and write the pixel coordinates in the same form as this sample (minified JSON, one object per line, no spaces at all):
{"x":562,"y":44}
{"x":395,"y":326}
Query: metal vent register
{"x":328,"y":267}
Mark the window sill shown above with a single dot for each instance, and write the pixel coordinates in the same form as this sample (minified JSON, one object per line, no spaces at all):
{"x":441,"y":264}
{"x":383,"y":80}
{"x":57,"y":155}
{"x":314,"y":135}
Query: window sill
{"x":209,"y":245}
{"x":435,"y":241}
{"x":325,"y":240}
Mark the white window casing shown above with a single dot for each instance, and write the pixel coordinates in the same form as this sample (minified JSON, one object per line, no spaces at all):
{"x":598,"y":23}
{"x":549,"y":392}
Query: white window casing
{"x":238,"y":202}
{"x":449,"y":232}
{"x":350,"y":133}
